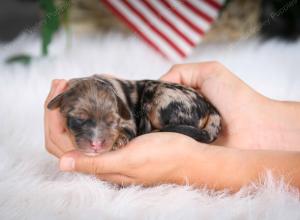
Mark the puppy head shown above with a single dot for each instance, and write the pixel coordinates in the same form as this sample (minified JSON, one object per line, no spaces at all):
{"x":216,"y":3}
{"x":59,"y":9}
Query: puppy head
{"x":93,"y":113}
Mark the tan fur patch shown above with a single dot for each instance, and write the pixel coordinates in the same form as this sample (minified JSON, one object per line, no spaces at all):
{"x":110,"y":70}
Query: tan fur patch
{"x":167,"y":95}
{"x":213,"y":125}
{"x":203,"y":121}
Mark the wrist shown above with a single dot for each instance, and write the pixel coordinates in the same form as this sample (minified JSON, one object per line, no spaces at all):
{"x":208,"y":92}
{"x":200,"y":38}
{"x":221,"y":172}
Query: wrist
{"x":219,"y":167}
{"x":213,"y":166}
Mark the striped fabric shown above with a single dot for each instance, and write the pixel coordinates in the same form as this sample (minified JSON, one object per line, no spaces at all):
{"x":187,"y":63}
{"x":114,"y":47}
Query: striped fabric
{"x":172,"y":27}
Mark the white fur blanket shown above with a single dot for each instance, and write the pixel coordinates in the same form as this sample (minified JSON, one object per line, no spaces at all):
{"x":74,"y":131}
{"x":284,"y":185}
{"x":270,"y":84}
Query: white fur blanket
{"x":32,"y":187}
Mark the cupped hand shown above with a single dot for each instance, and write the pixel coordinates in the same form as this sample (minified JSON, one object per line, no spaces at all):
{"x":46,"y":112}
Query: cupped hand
{"x":149,"y":159}
{"x":249,"y":121}
{"x":248,"y":117}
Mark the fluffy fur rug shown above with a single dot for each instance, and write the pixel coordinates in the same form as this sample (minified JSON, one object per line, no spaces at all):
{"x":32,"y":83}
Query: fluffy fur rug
{"x":32,"y":187}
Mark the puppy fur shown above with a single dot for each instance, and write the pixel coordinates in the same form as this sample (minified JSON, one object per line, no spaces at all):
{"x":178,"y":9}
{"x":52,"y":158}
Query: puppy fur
{"x":104,"y":113}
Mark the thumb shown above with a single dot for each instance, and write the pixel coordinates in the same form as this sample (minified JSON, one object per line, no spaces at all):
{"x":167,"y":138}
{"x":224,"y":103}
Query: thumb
{"x":171,"y":76}
{"x":109,"y":162}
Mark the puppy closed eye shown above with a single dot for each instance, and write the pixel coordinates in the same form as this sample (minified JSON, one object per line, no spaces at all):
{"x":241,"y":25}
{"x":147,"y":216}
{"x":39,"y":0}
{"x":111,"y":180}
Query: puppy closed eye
{"x":74,"y":122}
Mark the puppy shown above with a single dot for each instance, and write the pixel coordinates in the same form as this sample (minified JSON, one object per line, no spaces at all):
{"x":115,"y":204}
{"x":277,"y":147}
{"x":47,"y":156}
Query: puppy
{"x":104,"y":114}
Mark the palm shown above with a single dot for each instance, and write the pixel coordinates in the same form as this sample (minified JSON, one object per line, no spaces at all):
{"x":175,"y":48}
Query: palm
{"x":145,"y":155}
{"x":246,"y":120}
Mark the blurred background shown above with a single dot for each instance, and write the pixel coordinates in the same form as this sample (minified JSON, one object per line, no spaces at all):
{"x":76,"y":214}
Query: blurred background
{"x":76,"y":37}
{"x":88,"y":36}
{"x":235,"y":19}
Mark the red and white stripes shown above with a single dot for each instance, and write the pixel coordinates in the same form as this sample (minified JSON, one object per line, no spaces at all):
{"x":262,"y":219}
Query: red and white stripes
{"x":171,"y":27}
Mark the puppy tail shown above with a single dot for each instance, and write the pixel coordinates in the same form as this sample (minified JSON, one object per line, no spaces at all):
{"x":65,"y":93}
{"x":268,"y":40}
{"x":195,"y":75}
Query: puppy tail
{"x":200,"y":135}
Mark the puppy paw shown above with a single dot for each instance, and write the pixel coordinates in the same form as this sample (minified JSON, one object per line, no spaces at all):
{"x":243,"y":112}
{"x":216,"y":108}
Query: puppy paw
{"x":121,"y":141}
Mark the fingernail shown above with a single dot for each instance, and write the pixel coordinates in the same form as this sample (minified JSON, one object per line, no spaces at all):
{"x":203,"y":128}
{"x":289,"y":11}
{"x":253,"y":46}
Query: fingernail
{"x":67,"y":164}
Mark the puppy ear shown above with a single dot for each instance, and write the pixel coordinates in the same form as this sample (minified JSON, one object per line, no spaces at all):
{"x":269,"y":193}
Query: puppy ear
{"x":56,"y":101}
{"x":123,"y":110}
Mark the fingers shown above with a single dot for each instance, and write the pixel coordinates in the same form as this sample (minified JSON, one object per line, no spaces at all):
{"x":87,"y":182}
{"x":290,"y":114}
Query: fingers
{"x":50,"y":147}
{"x":194,"y":74}
{"x":110,"y":162}
{"x":105,"y":167}
{"x":211,"y":79}
{"x":54,"y":125}
{"x":57,"y":130}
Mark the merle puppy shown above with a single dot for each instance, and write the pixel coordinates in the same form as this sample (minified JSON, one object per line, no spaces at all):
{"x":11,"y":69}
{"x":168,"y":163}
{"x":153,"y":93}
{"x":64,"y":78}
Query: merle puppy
{"x":103,"y":113}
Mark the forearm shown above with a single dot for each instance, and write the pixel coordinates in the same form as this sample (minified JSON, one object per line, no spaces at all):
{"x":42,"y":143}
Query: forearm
{"x":285,"y":124}
{"x":220,"y":168}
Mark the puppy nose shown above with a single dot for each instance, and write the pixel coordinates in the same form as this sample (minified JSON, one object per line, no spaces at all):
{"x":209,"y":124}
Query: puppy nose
{"x":97,"y":144}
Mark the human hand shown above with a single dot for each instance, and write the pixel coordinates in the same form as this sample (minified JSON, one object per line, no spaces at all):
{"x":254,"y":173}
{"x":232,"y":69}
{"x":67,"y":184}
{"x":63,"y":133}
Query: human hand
{"x":249,"y":120}
{"x":174,"y":158}
{"x":164,"y":158}
{"x":57,"y":140}
{"x":149,"y":159}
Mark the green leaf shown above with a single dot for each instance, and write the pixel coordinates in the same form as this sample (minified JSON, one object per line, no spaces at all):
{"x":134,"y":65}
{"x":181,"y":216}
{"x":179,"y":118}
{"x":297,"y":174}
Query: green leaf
{"x":20,"y":58}
{"x":50,"y":24}
{"x":53,"y":17}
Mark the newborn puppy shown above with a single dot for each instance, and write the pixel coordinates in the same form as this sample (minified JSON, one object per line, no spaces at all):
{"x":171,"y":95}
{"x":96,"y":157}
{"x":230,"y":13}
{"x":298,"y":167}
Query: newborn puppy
{"x":104,"y":114}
